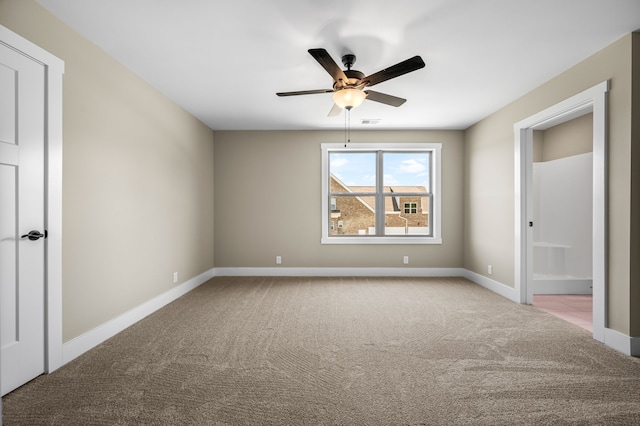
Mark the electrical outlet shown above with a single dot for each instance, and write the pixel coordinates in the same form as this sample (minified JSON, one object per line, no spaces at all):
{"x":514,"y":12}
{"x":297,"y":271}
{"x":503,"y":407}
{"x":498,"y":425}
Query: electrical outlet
{"x":278,"y":260}
{"x":490,"y":269}
{"x":405,"y":260}
{"x":175,"y":277}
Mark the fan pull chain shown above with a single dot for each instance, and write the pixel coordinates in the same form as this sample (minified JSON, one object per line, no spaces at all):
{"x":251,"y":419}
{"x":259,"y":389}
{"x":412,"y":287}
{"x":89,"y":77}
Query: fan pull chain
{"x":347,"y":127}
{"x":349,"y":120}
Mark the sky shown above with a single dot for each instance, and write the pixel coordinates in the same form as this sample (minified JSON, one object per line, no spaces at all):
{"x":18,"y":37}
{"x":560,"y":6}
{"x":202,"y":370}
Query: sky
{"x":400,"y":169}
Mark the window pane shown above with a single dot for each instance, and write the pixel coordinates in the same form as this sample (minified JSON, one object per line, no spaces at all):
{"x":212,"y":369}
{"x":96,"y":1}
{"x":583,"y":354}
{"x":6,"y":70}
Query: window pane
{"x":352,"y":171}
{"x":398,"y":222}
{"x":407,"y":171}
{"x":356,"y":216}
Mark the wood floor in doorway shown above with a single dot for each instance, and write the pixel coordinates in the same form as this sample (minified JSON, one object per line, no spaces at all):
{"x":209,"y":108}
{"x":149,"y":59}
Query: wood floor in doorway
{"x":575,"y":308}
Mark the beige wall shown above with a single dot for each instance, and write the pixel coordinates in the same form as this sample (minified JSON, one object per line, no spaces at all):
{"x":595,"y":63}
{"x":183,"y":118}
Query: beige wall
{"x":268,"y":202}
{"x":138,"y":180}
{"x":489,"y":166}
{"x":573,"y":137}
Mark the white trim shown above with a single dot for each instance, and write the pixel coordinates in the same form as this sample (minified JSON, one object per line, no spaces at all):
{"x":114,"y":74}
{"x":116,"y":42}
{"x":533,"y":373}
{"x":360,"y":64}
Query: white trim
{"x":53,"y":216}
{"x":563,"y":286}
{"x":27,"y":48}
{"x":381,"y":240}
{"x":81,"y":344}
{"x":522,"y":170}
{"x":621,"y":342}
{"x":591,"y":100}
{"x":339,"y":272}
{"x":492,"y":285}
{"x":54,"y":221}
{"x":600,"y":215}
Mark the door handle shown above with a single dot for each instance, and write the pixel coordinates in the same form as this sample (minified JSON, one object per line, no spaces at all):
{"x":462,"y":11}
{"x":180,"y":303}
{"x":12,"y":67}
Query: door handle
{"x":34,"y":235}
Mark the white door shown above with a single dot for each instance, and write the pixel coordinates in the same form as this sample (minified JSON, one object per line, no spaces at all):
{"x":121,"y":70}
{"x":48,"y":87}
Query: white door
{"x":22,"y":210}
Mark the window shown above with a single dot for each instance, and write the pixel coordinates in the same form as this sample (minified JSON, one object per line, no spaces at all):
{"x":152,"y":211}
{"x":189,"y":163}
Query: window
{"x":381,"y":193}
{"x":410,"y":208}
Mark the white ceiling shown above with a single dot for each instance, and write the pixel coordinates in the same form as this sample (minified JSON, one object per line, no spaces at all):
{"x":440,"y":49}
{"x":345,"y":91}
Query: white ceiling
{"x":223,"y":61}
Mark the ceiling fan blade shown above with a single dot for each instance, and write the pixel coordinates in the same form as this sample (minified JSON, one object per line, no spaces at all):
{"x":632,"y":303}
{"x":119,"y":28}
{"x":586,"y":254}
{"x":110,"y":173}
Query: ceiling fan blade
{"x":383,"y":98}
{"x":335,"y":110}
{"x":327,"y":62}
{"x":305,"y":92}
{"x":394,"y":71}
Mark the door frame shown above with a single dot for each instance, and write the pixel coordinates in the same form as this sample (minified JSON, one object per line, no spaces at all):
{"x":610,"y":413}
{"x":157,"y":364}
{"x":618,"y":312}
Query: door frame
{"x":593,"y":100}
{"x":54,"y":70}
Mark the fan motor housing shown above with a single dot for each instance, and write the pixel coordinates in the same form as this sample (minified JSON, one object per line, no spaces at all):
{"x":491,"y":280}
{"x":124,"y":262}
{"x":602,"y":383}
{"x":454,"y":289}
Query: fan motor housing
{"x":354,"y":78}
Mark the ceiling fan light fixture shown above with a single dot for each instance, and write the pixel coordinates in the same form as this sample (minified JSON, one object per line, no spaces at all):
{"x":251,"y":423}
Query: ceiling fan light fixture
{"x":349,"y":98}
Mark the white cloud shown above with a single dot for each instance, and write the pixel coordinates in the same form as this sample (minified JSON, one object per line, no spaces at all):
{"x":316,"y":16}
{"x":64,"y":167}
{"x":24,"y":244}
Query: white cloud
{"x":412,"y":166}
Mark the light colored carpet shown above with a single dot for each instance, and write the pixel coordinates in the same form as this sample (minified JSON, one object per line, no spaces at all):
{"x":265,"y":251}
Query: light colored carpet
{"x":348,"y":351}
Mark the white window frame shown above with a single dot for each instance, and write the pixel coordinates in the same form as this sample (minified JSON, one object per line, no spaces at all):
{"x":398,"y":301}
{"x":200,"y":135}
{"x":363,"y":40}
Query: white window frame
{"x":436,"y":207}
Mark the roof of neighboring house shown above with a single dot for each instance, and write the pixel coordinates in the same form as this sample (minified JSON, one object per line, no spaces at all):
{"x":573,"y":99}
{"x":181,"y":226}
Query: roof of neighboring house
{"x":391,"y":203}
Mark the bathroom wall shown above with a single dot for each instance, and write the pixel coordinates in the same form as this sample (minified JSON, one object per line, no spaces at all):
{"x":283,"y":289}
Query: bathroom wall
{"x":563,"y":224}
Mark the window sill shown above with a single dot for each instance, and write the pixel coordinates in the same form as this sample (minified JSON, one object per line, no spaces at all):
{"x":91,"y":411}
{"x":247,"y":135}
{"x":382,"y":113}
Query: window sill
{"x":380,"y":240}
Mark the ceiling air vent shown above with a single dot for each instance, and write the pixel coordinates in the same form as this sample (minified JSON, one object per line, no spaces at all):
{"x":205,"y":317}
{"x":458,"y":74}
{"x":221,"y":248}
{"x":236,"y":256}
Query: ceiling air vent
{"x":370,"y":121}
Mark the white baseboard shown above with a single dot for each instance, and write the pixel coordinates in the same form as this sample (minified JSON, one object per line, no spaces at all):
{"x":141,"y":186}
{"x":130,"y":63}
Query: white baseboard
{"x":81,"y":344}
{"x":562,"y":286}
{"x":340,"y":272}
{"x":621,"y":342}
{"x":495,"y":286}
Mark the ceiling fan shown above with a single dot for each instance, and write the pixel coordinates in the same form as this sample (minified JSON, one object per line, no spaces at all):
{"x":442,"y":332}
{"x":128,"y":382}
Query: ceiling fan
{"x":348,"y":85}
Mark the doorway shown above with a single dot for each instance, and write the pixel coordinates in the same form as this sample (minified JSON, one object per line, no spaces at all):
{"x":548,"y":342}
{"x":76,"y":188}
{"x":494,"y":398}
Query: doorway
{"x":45,"y":113}
{"x":562,"y":211}
{"x":593,"y":101}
